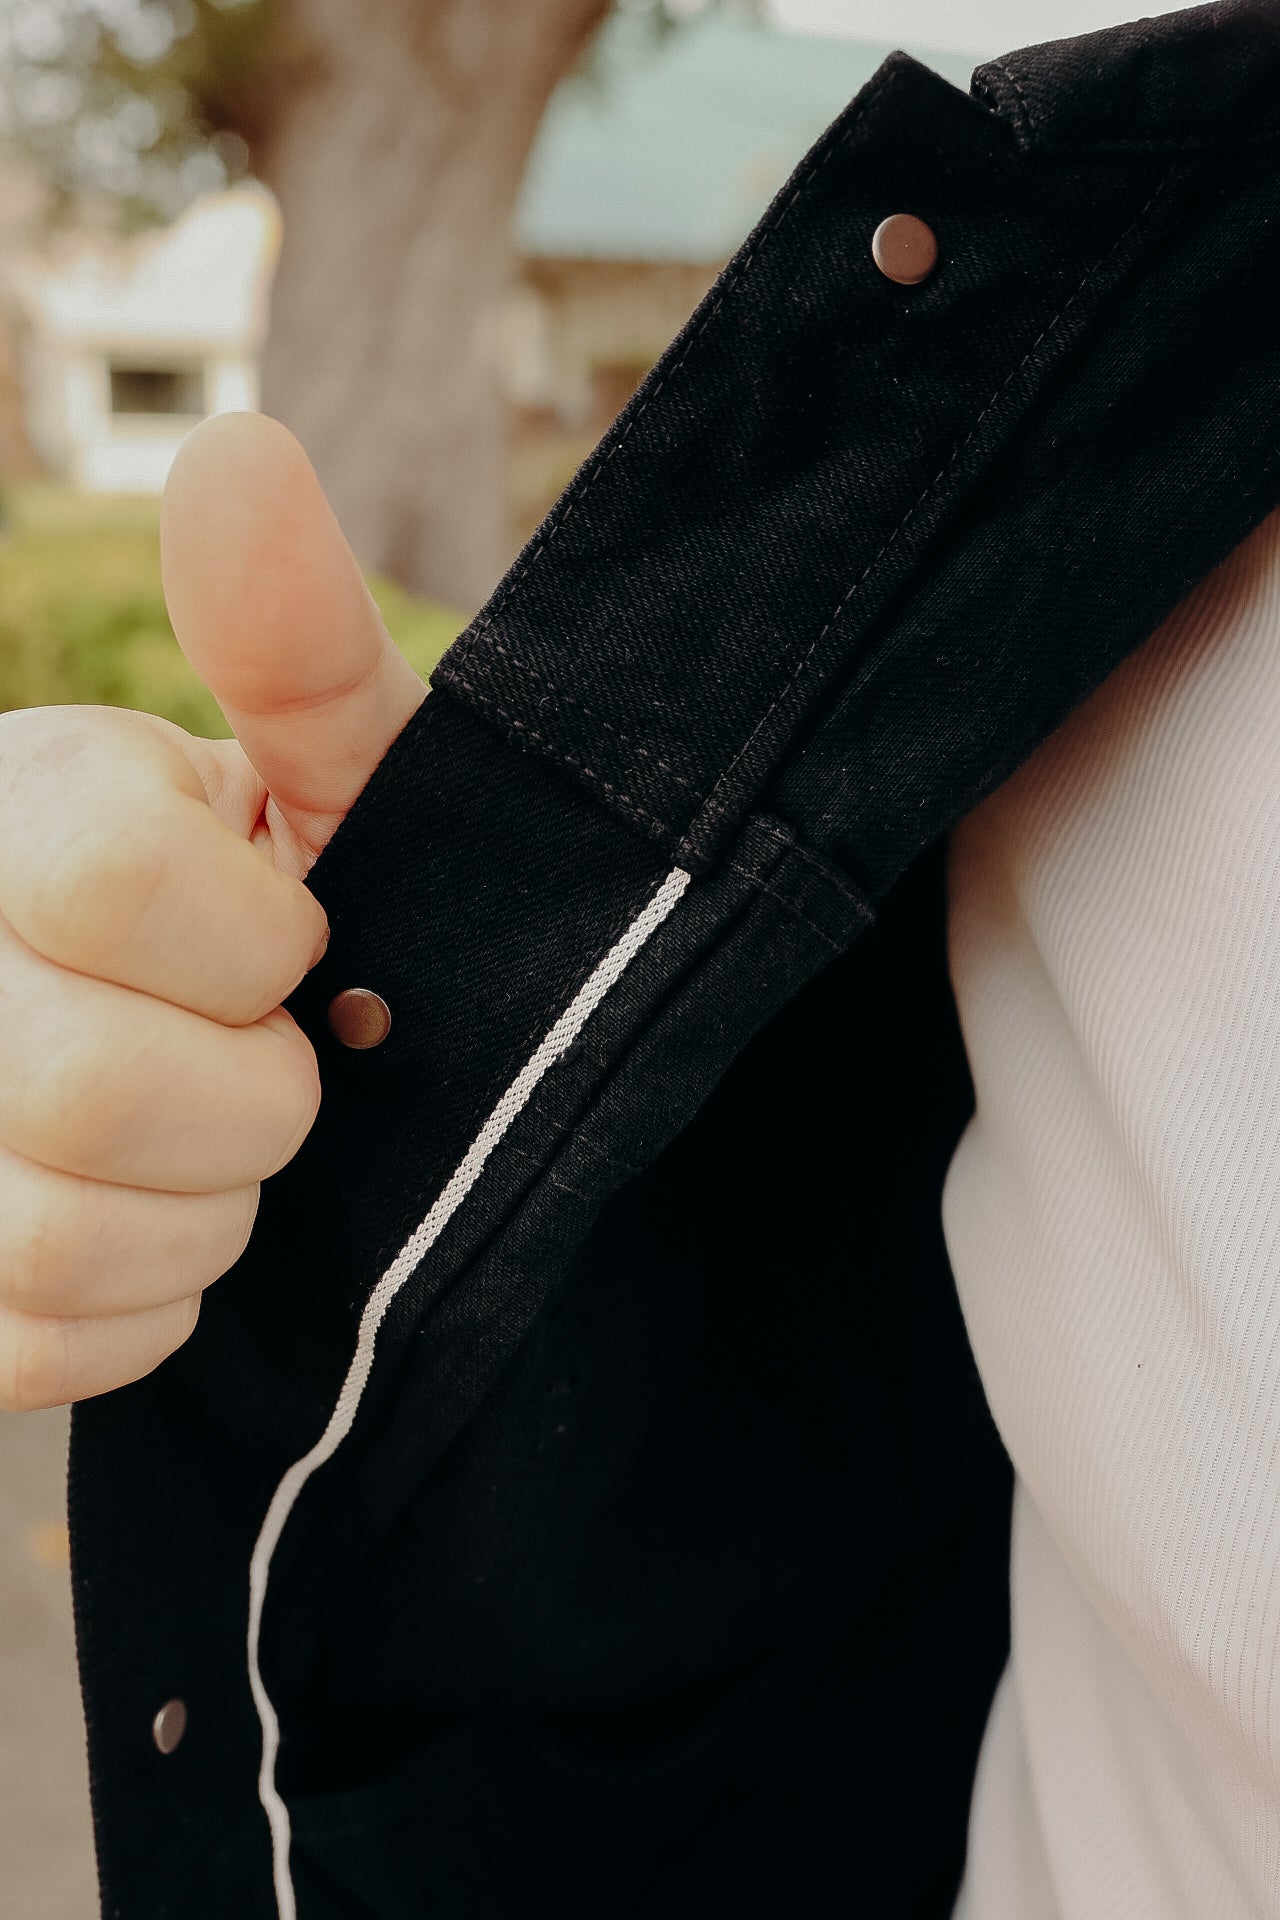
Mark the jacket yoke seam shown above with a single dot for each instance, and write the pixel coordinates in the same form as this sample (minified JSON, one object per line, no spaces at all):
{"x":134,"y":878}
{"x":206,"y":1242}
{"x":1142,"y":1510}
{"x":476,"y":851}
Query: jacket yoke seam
{"x":622,"y":801}
{"x":589,"y":713}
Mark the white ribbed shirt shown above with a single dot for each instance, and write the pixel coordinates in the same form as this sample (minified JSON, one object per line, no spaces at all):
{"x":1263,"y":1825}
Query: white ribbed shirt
{"x":1113,"y":1218}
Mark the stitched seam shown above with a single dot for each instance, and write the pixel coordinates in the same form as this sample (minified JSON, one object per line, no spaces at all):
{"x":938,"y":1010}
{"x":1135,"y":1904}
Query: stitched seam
{"x":911,"y":512}
{"x":771,"y":224}
{"x":577,"y":1130}
{"x":1029,"y":126}
{"x":545,"y":1171}
{"x":584,"y":1134}
{"x":1120,"y":143}
{"x":797,"y":913}
{"x":582,"y":1049}
{"x":620,"y":800}
{"x":757,"y":881}
{"x":587,"y":1138}
{"x":540,"y":1021}
{"x":821,"y":866}
{"x":571,"y":700}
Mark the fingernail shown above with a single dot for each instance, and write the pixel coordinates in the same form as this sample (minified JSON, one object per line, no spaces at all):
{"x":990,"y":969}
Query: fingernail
{"x":319,"y":953}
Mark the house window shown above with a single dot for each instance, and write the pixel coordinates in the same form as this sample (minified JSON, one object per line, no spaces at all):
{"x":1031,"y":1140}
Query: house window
{"x":157,"y":390}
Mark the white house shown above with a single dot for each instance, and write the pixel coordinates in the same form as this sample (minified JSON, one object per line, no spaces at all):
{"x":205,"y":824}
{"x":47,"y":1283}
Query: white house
{"x":123,"y":350}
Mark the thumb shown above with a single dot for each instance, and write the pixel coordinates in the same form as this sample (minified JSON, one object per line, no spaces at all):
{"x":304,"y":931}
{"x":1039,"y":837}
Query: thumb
{"x":272,"y":611}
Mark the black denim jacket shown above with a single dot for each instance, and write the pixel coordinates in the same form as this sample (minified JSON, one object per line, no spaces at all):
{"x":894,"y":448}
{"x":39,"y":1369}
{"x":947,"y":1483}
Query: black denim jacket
{"x":653,"y":1556}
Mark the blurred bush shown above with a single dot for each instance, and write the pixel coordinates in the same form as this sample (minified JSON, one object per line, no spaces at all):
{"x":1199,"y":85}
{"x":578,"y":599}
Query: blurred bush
{"x":82,"y":614}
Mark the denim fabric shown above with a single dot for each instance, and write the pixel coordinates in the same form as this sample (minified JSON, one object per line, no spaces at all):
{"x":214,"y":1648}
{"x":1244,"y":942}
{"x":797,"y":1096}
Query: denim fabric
{"x":1206,"y":79}
{"x":837,"y":491}
{"x":739,"y":539}
{"x":1074,"y":547}
{"x":665,"y":1562}
{"x":719,"y":1575}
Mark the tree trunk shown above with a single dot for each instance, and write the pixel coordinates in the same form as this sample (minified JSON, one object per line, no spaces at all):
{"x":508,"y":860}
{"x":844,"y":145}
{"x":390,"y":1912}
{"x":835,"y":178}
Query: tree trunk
{"x":394,"y":136}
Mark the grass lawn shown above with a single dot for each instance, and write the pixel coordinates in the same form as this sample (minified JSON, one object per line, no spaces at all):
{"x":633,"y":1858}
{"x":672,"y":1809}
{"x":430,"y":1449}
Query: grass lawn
{"x":82,"y":615}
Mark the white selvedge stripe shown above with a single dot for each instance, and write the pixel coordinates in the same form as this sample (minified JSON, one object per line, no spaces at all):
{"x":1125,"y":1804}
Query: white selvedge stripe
{"x":458,"y":1186}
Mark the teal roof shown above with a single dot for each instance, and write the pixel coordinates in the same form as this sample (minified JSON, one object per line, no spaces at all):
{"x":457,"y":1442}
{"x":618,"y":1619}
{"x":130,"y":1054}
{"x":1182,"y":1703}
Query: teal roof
{"x":670,"y":149}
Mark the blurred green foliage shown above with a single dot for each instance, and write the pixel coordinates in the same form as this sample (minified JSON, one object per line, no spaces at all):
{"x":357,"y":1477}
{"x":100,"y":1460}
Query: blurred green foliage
{"x":154,"y":101}
{"x":82,"y":614}
{"x":140,"y":99}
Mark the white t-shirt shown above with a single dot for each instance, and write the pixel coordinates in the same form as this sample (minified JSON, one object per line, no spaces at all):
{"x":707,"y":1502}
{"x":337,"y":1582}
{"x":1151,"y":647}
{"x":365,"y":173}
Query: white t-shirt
{"x":1113,"y":1217}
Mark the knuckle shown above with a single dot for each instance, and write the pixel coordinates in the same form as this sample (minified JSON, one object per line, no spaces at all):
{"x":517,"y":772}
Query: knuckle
{"x":94,"y":896}
{"x":82,"y":1106}
{"x":35,"y":1366}
{"x":39,"y":1257}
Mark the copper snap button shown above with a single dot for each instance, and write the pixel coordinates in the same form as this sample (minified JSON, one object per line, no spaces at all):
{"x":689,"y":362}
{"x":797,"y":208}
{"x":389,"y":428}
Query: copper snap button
{"x":169,"y":1725}
{"x":359,"y":1018}
{"x":905,"y":249}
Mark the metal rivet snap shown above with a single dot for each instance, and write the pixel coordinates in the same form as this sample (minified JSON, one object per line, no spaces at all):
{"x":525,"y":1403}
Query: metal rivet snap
{"x":905,"y":249}
{"x":359,"y":1018}
{"x":169,"y":1725}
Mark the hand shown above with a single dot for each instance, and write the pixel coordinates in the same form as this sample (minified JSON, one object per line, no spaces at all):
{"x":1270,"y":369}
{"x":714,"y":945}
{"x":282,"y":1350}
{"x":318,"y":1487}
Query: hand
{"x":153,"y":916}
